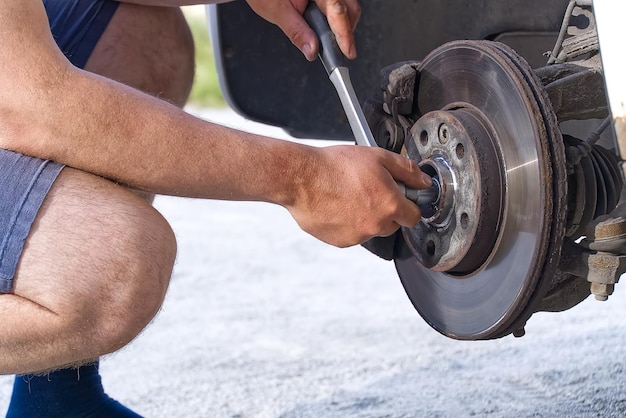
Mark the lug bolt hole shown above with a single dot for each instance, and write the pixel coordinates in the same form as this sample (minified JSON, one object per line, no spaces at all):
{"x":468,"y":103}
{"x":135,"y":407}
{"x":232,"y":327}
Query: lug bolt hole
{"x":424,"y":138}
{"x":444,"y":134}
{"x":460,"y":151}
{"x":430,"y":247}
{"x":464,"y":220}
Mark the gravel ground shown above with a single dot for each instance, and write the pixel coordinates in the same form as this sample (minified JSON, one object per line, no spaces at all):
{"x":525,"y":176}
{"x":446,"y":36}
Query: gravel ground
{"x":262,"y":320}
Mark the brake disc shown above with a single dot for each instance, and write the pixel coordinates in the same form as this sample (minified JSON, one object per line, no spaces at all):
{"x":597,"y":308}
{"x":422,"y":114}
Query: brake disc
{"x":483,"y":255}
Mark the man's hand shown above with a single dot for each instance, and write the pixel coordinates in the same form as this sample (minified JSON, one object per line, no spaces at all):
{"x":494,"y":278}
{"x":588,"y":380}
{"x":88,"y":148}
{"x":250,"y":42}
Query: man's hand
{"x":342,"y":16}
{"x":349,"y":194}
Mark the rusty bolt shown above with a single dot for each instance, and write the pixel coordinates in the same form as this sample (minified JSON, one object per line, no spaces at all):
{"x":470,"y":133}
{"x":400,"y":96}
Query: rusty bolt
{"x":605,"y":268}
{"x":602,"y":291}
{"x":444,"y":133}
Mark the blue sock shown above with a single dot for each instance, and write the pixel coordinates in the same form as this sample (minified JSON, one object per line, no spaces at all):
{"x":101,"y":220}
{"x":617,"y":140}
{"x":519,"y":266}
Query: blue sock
{"x":66,"y":393}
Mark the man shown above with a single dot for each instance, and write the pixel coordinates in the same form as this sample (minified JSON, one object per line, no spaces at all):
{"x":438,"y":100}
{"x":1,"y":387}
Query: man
{"x":85,"y":263}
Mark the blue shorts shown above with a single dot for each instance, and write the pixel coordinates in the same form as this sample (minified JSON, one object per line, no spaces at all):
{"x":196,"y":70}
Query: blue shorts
{"x":76,"y":25}
{"x":24,"y":183}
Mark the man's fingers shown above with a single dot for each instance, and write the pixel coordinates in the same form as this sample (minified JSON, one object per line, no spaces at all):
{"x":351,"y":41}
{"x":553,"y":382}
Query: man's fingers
{"x":298,"y":31}
{"x":408,"y":214}
{"x":342,"y":16}
{"x":407,"y":171}
{"x":287,"y":15}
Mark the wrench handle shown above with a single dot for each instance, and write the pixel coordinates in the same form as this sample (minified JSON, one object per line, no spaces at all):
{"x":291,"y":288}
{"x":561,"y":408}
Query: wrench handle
{"x":336,"y":66}
{"x":329,"y":52}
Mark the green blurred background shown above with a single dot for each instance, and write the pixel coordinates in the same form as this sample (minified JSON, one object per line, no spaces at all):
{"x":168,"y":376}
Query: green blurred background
{"x":206,"y":90}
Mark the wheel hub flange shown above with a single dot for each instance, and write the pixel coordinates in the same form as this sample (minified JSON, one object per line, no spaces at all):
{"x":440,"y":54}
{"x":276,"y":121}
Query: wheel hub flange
{"x":459,"y":148}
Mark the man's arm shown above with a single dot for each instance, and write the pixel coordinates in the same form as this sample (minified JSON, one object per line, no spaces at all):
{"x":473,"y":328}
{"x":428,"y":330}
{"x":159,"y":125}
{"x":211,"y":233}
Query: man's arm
{"x":49,"y":109}
{"x":342,"y":15}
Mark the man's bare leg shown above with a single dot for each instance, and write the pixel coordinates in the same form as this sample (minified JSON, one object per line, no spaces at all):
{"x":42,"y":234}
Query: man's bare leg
{"x":163,"y":67}
{"x":92,"y":275}
{"x":149,"y":48}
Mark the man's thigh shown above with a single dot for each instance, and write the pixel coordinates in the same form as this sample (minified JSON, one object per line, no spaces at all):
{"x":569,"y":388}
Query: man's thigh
{"x":148,"y":48}
{"x":86,"y":246}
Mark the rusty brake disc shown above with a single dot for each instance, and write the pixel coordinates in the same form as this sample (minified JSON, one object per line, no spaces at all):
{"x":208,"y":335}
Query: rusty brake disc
{"x":481,"y":259}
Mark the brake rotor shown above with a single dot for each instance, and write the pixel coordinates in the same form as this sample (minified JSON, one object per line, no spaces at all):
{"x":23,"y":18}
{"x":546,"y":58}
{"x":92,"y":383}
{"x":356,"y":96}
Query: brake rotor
{"x":483,"y":255}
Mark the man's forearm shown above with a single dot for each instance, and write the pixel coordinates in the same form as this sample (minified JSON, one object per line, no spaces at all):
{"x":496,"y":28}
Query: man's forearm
{"x":108,"y":129}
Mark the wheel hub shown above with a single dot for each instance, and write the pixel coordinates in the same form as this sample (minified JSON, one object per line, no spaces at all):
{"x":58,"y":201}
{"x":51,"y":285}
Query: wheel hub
{"x":462,"y":227}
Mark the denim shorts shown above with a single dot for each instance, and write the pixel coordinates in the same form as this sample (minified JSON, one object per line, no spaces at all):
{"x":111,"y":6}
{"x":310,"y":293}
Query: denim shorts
{"x":76,"y":25}
{"x":24,"y":183}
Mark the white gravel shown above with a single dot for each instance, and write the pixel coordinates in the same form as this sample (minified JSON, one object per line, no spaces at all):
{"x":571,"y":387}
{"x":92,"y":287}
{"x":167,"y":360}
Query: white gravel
{"x":262,"y":320}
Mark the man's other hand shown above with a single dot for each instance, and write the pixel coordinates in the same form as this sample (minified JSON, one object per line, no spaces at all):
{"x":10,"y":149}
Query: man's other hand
{"x":342,"y":15}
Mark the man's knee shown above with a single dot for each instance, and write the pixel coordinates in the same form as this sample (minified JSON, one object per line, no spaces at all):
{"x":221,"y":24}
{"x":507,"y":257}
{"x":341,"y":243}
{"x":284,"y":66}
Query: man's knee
{"x":144,"y":264}
{"x":144,"y":261}
{"x":149,"y":48}
{"x":98,"y":257}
